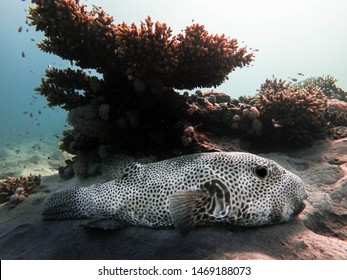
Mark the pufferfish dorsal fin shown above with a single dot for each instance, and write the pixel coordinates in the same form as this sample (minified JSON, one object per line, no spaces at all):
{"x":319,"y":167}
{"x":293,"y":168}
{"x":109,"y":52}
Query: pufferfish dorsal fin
{"x":116,"y":166}
{"x":185,"y":207}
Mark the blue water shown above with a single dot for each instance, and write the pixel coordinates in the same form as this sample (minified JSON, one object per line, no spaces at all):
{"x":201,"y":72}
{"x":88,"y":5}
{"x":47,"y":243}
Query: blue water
{"x":21,"y":75}
{"x":296,"y":36}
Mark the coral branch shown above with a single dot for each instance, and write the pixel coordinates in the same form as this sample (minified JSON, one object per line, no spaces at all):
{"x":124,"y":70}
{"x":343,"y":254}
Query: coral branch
{"x":206,"y":58}
{"x":73,"y":33}
{"x":149,"y":52}
{"x":63,"y":88}
{"x":292,"y":114}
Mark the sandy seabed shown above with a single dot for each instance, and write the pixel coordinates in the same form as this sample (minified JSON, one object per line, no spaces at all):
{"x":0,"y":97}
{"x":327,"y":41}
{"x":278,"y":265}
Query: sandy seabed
{"x":28,"y":155}
{"x":320,"y":232}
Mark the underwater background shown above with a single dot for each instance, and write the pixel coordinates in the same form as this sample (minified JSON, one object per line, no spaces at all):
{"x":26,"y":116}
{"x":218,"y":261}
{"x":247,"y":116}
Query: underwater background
{"x":288,"y":103}
{"x":287,"y":38}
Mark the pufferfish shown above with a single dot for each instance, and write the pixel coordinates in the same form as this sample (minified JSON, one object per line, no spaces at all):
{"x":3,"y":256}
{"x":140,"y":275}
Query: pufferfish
{"x":238,"y":188}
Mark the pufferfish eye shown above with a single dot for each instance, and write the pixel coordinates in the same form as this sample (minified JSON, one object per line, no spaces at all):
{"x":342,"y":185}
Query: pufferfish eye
{"x":261,"y":171}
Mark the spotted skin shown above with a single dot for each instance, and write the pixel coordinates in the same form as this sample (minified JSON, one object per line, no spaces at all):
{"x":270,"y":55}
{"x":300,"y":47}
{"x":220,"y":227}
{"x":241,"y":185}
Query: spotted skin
{"x":232,"y":187}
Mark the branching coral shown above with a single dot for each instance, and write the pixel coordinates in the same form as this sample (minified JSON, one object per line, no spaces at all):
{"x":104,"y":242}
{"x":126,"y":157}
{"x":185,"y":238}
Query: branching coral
{"x":290,"y":114}
{"x":205,"y":60}
{"x":133,"y":106}
{"x":148,"y":52}
{"x":328,"y":85}
{"x":17,"y":189}
{"x":63,"y":88}
{"x":73,"y":33}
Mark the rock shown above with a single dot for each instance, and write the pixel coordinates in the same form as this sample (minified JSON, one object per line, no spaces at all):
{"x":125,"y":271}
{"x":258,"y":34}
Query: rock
{"x":338,"y":132}
{"x":335,"y":105}
{"x":86,"y":119}
{"x":219,"y":96}
{"x":104,"y":111}
{"x":67,"y":172}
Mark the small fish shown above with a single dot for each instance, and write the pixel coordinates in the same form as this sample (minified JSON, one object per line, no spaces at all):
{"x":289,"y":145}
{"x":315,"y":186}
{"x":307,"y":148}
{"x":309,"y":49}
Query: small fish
{"x":32,"y":40}
{"x":24,"y":113}
{"x":20,"y":28}
{"x":301,"y":74}
{"x":276,"y":124}
{"x":17,"y":151}
{"x":23,"y":54}
{"x":294,"y":79}
{"x":31,"y":115}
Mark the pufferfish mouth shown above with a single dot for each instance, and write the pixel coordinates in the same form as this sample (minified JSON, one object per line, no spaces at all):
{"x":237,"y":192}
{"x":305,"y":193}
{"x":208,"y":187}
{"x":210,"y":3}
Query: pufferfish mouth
{"x":288,"y":215}
{"x":299,"y":209}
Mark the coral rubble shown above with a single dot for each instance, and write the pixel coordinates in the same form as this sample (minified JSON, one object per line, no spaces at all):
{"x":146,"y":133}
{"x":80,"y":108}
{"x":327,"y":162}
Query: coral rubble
{"x":17,"y":189}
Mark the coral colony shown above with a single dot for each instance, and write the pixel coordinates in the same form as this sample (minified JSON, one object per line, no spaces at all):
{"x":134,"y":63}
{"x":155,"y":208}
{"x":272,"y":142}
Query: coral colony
{"x":17,"y":189}
{"x":132,"y":106}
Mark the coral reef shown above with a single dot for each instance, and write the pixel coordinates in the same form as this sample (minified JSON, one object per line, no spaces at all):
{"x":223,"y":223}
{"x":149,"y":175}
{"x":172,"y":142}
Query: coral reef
{"x":291,"y":114}
{"x":328,"y":85}
{"x":63,"y":87}
{"x":16,"y":190}
{"x":337,"y":106}
{"x":144,"y":54}
{"x":131,"y":105}
{"x":337,"y":112}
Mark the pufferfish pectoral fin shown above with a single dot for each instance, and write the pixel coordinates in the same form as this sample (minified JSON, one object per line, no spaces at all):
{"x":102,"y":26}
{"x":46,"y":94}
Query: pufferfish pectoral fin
{"x":185,"y":207}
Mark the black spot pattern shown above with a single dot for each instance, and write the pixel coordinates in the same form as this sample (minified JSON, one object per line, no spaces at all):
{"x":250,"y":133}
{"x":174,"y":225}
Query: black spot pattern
{"x":237,"y":194}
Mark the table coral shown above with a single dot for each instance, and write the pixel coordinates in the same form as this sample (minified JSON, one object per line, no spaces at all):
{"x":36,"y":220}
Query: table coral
{"x":132,"y":105}
{"x":146,"y":53}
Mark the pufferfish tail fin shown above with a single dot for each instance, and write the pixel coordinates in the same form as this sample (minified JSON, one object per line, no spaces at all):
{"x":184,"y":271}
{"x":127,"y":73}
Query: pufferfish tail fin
{"x":72,"y":203}
{"x":117,"y":166}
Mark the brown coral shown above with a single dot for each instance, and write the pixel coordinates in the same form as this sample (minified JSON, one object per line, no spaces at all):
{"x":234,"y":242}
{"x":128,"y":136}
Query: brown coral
{"x":148,"y":52}
{"x":75,"y":34}
{"x":63,"y":88}
{"x":132,"y":106}
{"x":17,"y":189}
{"x":290,"y":114}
